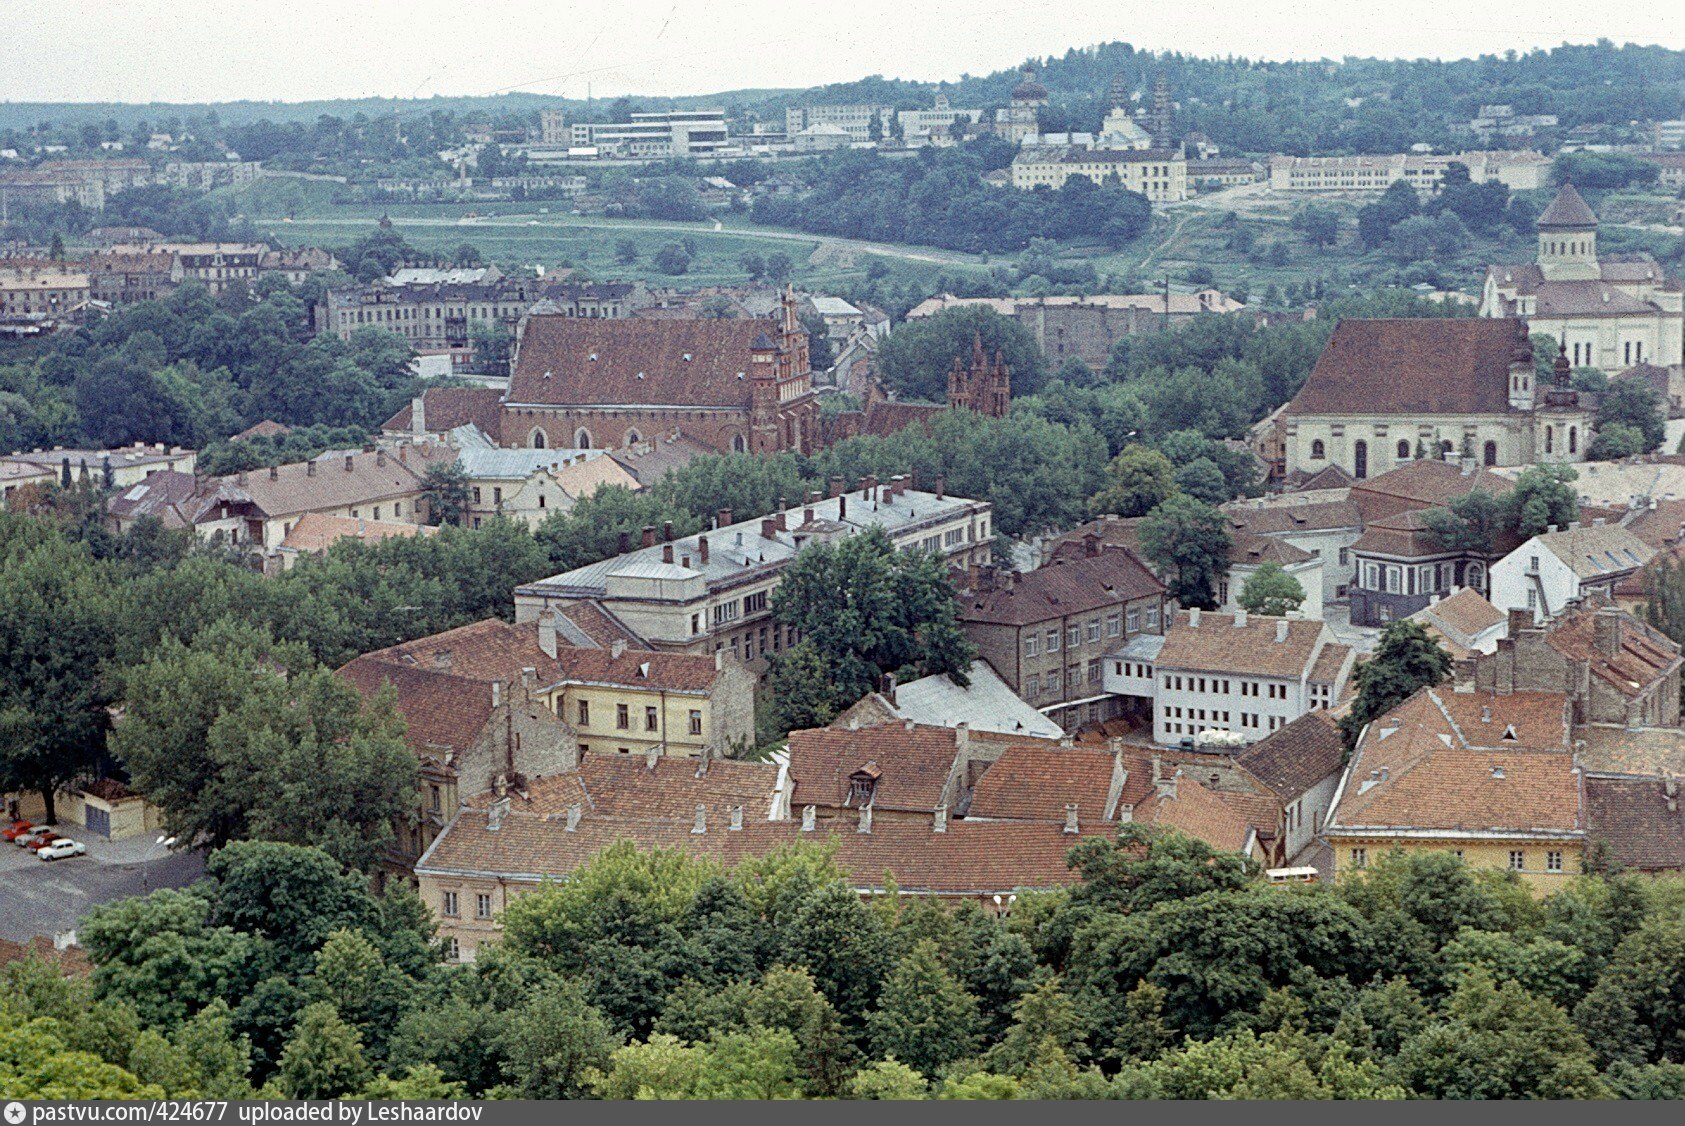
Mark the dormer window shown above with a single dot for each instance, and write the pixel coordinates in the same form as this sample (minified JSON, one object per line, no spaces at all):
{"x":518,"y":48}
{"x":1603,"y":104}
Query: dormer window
{"x":863,"y":785}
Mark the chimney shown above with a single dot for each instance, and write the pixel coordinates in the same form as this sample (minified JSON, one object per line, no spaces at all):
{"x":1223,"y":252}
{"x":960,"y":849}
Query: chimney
{"x":1606,"y":630}
{"x":649,"y":535}
{"x":1240,"y":619}
{"x":962,"y":737}
{"x":807,"y":518}
{"x":666,"y":553}
{"x":725,"y":517}
{"x":889,"y":688}
{"x":1193,"y":617}
{"x":702,"y":549}
{"x":240,"y":478}
{"x":842,"y":507}
{"x":574,"y":812}
{"x":651,"y":757}
{"x":380,"y":457}
{"x":547,"y":632}
{"x":701,"y":825}
{"x":869,"y":487}
{"x":702,"y":764}
{"x":807,"y":818}
{"x":310,"y":468}
{"x":1071,"y":817}
{"x":836,"y":487}
{"x":274,"y":472}
{"x":442,"y":659}
{"x":350,"y":462}
{"x":1281,"y":631}
{"x":941,"y":486}
{"x":403,"y":453}
{"x":497,"y":693}
{"x":736,"y":818}
{"x":666,"y":531}
{"x":780,"y":519}
{"x":529,"y":679}
{"x":865,"y":825}
{"x":495,"y":815}
{"x":940,"y":823}
{"x":418,"y":415}
{"x":769,"y":528}
{"x":616,"y":648}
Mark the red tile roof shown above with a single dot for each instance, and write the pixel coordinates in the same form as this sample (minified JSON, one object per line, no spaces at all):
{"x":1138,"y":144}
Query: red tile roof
{"x":1423,"y":484}
{"x":1029,"y":783}
{"x":913,"y":762}
{"x":1072,"y":582}
{"x":1218,"y":645}
{"x":680,"y":362}
{"x":1638,"y":820}
{"x":1294,"y":758}
{"x":1643,"y":657}
{"x":1413,"y":367}
{"x":614,"y":785}
{"x":449,"y":407}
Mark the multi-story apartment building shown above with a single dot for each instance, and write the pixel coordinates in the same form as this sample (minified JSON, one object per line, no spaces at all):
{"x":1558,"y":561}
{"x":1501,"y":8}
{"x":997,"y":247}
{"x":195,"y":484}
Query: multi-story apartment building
{"x":656,"y":136}
{"x":1046,"y":632}
{"x":111,"y":175}
{"x":1519,"y":171}
{"x":41,"y":292}
{"x":218,"y":266}
{"x":126,"y":277}
{"x":712,"y":592}
{"x":934,"y":125}
{"x":856,"y":121}
{"x":1159,"y":174}
{"x":439,"y":315}
{"x":1239,"y":673}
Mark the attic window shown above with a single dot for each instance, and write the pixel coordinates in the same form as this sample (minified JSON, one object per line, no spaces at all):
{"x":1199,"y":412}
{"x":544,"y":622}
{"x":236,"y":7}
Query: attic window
{"x":593,"y":357}
{"x":640,"y":375}
{"x":1498,"y":772}
{"x":549,"y":374}
{"x":740,"y":375}
{"x":643,"y":670}
{"x":687,"y":357}
{"x":1510,"y":735}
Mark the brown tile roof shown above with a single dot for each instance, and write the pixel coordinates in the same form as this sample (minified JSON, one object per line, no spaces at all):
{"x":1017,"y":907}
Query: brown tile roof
{"x":1072,"y":582}
{"x":1412,"y":771}
{"x":1535,"y":720}
{"x":637,"y":361}
{"x":1218,"y":645}
{"x":1643,"y":657}
{"x":1568,"y":209}
{"x":1277,"y":519}
{"x":615,"y":785}
{"x":1199,"y":813}
{"x":1661,"y":526}
{"x":443,"y":713}
{"x":268,"y":428}
{"x":913,"y":763}
{"x":1248,"y":549}
{"x":886,"y":418}
{"x":599,"y":627}
{"x":1412,"y":367}
{"x":1329,"y":662}
{"x":72,"y":961}
{"x":1423,"y":484}
{"x":449,"y":407}
{"x":1608,"y":749}
{"x":1466,"y":612}
{"x":1029,"y":783}
{"x":316,"y":532}
{"x":166,"y":494}
{"x":295,"y":489}
{"x":1294,"y":758}
{"x":653,"y":459}
{"x":971,"y":857}
{"x":1404,"y":535}
{"x":1638,"y":820}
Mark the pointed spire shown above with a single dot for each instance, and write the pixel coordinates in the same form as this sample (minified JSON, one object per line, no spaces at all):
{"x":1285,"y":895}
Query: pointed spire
{"x":1568,"y":210}
{"x":1560,"y":368}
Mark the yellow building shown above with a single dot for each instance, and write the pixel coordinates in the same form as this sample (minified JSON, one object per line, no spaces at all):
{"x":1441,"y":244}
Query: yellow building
{"x":1491,"y":778}
{"x":1159,"y":174}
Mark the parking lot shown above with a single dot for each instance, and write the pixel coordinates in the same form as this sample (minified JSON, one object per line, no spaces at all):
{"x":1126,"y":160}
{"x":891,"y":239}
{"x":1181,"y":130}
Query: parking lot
{"x":38,"y":897}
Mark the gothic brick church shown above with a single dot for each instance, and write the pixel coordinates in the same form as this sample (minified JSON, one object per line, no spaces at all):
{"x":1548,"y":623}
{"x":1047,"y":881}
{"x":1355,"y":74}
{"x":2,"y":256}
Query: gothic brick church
{"x":976,"y":383}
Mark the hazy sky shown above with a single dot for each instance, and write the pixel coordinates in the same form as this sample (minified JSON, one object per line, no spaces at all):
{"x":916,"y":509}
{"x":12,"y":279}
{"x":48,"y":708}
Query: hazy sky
{"x":290,"y":50}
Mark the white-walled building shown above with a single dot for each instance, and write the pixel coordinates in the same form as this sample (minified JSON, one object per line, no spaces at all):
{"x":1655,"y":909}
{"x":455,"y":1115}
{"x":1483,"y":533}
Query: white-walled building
{"x":1239,"y":673}
{"x":1547,"y":572}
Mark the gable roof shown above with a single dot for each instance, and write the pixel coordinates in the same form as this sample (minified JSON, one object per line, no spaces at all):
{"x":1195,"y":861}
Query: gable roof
{"x":1218,"y":644}
{"x":1465,"y":612}
{"x":913,"y":765}
{"x":315,"y":532}
{"x":1415,"y":366}
{"x":447,"y":408}
{"x":672,"y":786}
{"x":331,"y":480}
{"x":1036,"y":783}
{"x":580,"y":361}
{"x":988,"y":704}
{"x":1072,"y":582}
{"x":1642,"y":656}
{"x":1423,"y":484}
{"x":1639,"y":820}
{"x":1294,"y":758}
{"x":1594,"y":551}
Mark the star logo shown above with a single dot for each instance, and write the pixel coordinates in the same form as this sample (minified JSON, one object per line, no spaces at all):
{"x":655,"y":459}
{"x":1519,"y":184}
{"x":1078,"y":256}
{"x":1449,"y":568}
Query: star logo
{"x":15,"y":1113}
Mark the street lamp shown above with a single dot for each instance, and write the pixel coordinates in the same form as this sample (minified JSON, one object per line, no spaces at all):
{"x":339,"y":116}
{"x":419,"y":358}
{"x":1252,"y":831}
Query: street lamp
{"x":146,"y":858}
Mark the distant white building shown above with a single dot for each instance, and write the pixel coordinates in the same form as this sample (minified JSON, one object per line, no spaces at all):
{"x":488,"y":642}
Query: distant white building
{"x":1546,"y":572}
{"x":1240,"y":673}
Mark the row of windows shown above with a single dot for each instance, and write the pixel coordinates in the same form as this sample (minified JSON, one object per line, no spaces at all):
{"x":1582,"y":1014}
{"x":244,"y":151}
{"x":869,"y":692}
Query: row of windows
{"x":623,"y":717}
{"x":1517,"y":859}
{"x":1270,"y":723}
{"x":1077,"y":634}
{"x":1360,"y":451}
{"x":451,"y":908}
{"x":1074,"y":677}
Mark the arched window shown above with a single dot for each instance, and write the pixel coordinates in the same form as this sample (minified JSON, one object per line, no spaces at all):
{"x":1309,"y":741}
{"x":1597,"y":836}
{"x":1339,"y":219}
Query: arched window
{"x":1360,"y":459}
{"x":1573,"y":439}
{"x":1550,"y":439}
{"x":1477,"y":577}
{"x":1318,"y":450}
{"x":1489,"y":454}
{"x":633,"y":437}
{"x":738,"y":445}
{"x":538,"y":441}
{"x":1403,"y":449}
{"x":582,"y":439}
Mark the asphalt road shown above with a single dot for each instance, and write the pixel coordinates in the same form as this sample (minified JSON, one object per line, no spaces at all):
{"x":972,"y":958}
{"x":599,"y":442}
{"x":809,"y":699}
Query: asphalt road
{"x":39,"y":897}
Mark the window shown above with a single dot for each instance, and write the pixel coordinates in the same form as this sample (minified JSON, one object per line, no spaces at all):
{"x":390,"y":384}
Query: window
{"x":453,"y":950}
{"x":695,"y":722}
{"x":652,"y":721}
{"x":1553,"y":860}
{"x":1053,"y":641}
{"x":1132,"y":621}
{"x":482,"y":906}
{"x":585,"y":713}
{"x":1114,"y":625}
{"x":1489,"y":453}
{"x":433,"y":797}
{"x":1360,"y":858}
{"x":1517,"y":860}
{"x":622,"y":716}
{"x":496,"y":495}
{"x":1093,"y":629}
{"x":1073,"y":636}
{"x":1032,"y":686}
{"x":476,"y":494}
{"x":1403,"y":450}
{"x":450,"y":908}
{"x":754,"y":603}
{"x":1031,"y":645}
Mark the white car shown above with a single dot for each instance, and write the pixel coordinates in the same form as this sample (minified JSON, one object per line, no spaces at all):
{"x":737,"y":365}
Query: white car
{"x":60,"y":849}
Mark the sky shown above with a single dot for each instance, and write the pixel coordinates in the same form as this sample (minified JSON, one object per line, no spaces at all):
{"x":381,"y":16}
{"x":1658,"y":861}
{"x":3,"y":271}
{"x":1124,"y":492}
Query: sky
{"x":295,"y":50}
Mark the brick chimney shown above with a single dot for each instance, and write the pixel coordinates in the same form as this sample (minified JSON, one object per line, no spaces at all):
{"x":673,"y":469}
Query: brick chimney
{"x":380,"y":457}
{"x":769,"y":528}
{"x":941,"y":486}
{"x":649,"y":535}
{"x":702,"y":549}
{"x":725,"y":517}
{"x":274,"y":473}
{"x":350,"y":462}
{"x":666,"y":531}
{"x":310,"y":468}
{"x":547,"y":632}
{"x":836,"y":487}
{"x":1606,"y":629}
{"x":666,"y":553}
{"x":625,"y":542}
{"x":575,"y":811}
{"x":865,"y":825}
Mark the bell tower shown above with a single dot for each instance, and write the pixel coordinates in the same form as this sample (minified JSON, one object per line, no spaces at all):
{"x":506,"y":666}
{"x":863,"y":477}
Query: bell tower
{"x":1568,"y":239}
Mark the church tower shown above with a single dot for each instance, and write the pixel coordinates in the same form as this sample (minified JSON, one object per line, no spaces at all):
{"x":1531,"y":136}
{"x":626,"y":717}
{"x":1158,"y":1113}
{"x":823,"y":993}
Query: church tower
{"x":983,"y":385}
{"x":1568,"y":239}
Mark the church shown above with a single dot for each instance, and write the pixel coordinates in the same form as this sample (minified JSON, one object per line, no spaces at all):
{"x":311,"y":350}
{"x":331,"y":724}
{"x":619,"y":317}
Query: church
{"x":1612,"y":313}
{"x":1387,"y":392}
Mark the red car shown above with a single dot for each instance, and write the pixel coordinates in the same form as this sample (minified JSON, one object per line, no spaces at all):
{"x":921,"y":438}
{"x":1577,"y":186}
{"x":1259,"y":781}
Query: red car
{"x":15,"y":830}
{"x":46,"y":838}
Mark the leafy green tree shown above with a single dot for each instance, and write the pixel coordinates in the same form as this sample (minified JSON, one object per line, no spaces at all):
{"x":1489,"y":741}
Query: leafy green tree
{"x":1635,"y":404}
{"x":1375,"y":221}
{"x":1542,"y":497}
{"x":924,"y":1017}
{"x":916,"y":357}
{"x":889,"y":1080}
{"x":1045,"y":1019}
{"x":1271,"y":591}
{"x":1407,"y":659}
{"x":447,"y":494}
{"x":553,"y":1041}
{"x":663,"y":1067}
{"x":35,"y":1065}
{"x":1499,"y":1042}
{"x":424,"y":1081}
{"x":1614,"y":441}
{"x":1636,"y":1011}
{"x":980,"y":1085}
{"x":161,"y":954}
{"x":1319,"y":224}
{"x":324,"y":1058}
{"x":1472,"y":522}
{"x":625,"y":251}
{"x":672,"y":259}
{"x":1189,"y":540}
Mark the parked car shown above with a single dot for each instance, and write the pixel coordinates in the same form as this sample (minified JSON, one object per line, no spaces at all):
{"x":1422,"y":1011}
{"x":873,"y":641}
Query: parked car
{"x":15,"y":830}
{"x":57,"y":850}
{"x":41,"y":840}
{"x":22,"y":839}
